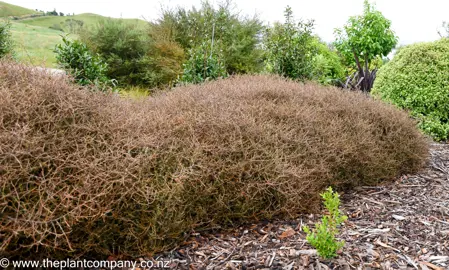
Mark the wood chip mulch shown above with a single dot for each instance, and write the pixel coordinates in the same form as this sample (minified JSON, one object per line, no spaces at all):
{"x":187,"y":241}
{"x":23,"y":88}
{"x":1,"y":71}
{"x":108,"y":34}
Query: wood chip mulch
{"x":401,"y":225}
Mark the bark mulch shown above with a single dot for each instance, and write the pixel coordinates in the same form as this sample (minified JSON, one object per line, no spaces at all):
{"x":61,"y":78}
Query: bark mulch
{"x":400,"y":225}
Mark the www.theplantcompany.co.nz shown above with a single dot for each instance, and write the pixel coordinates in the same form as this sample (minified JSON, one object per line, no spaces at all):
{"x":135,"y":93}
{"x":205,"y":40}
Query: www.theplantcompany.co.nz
{"x":82,"y":264}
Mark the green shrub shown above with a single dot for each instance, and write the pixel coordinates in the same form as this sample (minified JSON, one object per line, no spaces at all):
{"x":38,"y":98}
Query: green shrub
{"x":124,"y":47}
{"x":290,"y":48}
{"x":238,"y":36}
{"x":323,"y":237}
{"x":203,"y":65}
{"x":91,"y":174}
{"x":6,"y":43}
{"x":137,"y":56}
{"x":167,"y":57}
{"x":328,"y":68}
{"x":57,"y":27}
{"x":165,"y":64}
{"x":417,"y":79}
{"x":85,"y":67}
{"x":74,"y":26}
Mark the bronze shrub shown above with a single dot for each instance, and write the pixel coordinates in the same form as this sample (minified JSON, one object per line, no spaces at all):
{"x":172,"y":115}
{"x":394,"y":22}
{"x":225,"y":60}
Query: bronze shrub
{"x":85,"y":173}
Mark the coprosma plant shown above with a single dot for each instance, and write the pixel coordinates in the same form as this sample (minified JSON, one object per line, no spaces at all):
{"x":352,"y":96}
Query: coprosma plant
{"x":323,"y":237}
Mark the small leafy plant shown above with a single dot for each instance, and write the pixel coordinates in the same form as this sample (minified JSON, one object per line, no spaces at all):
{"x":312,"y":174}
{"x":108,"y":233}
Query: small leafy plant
{"x":323,"y":237}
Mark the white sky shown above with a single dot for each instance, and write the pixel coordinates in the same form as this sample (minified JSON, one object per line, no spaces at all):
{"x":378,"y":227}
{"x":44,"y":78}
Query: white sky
{"x":412,"y":20}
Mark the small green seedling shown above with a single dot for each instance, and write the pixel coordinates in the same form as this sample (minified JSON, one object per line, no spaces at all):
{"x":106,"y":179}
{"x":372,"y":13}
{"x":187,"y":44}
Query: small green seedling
{"x":323,"y":236}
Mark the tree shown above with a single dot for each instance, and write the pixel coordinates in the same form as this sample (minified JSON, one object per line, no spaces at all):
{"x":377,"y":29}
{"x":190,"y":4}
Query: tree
{"x":52,"y":13}
{"x":290,"y":48}
{"x":61,"y":14}
{"x":204,"y":64}
{"x":124,"y":46}
{"x":166,"y":55}
{"x":235,"y":36}
{"x":362,"y":40}
{"x":445,"y":27}
{"x":74,"y":26}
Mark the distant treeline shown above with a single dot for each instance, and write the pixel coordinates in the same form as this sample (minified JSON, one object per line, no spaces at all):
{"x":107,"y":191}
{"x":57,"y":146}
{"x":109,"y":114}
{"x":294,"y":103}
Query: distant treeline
{"x":41,"y":14}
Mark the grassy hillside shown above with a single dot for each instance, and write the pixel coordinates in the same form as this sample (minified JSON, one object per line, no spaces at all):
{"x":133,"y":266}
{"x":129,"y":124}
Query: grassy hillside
{"x":34,"y":44}
{"x":87,"y":18}
{"x":7,"y":10}
{"x":36,"y":37}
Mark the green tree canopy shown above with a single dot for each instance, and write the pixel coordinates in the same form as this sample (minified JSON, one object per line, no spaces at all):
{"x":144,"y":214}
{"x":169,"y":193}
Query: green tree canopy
{"x":364,"y":39}
{"x":236,"y":37}
{"x":124,"y":47}
{"x":291,"y":48}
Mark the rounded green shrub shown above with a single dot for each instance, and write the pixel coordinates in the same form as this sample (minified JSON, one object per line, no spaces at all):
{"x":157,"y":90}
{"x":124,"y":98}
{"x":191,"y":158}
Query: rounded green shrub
{"x":417,"y":79}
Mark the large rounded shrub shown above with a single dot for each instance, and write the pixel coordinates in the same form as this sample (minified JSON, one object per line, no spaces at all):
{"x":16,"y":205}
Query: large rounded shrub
{"x":85,"y":173}
{"x":417,"y":79}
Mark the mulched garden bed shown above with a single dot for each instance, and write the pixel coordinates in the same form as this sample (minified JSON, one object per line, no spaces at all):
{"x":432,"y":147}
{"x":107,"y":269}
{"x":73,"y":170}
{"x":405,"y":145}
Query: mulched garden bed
{"x":401,"y":225}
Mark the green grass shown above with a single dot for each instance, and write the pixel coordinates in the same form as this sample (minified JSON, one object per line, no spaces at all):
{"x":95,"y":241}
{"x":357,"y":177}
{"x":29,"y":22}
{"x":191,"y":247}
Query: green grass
{"x":7,"y":10}
{"x":135,"y":92}
{"x":88,"y":19}
{"x":36,"y":37}
{"x":34,"y":44}
{"x":35,"y":40}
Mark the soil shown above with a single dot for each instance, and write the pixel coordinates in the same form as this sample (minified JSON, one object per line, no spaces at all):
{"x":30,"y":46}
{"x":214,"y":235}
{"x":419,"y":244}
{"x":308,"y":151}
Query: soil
{"x":400,"y":225}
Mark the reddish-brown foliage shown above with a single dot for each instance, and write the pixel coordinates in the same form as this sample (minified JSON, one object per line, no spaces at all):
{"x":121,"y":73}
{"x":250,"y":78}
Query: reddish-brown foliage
{"x":90,"y":173}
